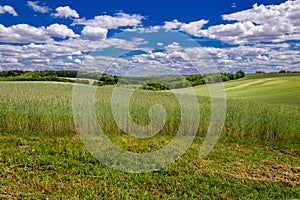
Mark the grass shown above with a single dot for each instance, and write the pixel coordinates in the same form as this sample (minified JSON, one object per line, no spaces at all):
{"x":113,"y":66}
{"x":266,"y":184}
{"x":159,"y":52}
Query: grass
{"x":266,"y":88}
{"x":49,"y":166}
{"x":41,"y":155}
{"x":25,"y":107}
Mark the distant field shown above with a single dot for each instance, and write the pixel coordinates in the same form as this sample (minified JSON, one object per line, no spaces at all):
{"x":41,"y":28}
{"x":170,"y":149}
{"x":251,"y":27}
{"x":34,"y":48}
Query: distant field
{"x":268,"y":88}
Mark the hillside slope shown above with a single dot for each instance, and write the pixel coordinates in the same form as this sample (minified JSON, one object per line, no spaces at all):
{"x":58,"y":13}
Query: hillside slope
{"x":281,"y":89}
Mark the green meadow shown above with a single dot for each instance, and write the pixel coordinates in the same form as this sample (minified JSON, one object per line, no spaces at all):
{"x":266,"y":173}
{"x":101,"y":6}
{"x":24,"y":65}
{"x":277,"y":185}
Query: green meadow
{"x":265,"y":88}
{"x":256,"y":157}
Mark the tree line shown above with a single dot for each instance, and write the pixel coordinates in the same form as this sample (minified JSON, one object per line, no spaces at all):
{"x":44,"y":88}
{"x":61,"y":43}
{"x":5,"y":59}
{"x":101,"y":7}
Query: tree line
{"x":147,"y":83}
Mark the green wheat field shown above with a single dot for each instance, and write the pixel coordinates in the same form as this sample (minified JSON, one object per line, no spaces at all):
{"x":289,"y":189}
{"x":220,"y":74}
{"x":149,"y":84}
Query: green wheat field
{"x":257,"y":156}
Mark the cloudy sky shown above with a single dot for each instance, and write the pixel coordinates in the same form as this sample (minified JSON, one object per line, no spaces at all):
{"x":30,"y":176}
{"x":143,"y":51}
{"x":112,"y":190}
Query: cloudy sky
{"x":117,"y":36}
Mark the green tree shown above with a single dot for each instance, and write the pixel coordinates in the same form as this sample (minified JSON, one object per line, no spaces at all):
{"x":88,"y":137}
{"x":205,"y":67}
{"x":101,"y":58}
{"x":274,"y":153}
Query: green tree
{"x":240,"y":74}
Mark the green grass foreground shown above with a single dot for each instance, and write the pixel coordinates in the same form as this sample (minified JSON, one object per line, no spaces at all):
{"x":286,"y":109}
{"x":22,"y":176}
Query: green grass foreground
{"x":41,"y":155}
{"x":39,"y":166}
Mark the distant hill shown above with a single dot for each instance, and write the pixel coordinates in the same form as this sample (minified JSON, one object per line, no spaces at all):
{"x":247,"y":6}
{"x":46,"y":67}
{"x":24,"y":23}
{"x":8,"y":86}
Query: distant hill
{"x":269,"y":88}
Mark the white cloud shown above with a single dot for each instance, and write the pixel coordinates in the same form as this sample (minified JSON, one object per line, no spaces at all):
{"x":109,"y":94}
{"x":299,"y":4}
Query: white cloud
{"x":274,"y":23}
{"x":111,"y":22}
{"x":34,"y":6}
{"x":64,"y":54}
{"x":77,"y":60}
{"x":175,"y":24}
{"x":67,"y":55}
{"x":39,"y":56}
{"x":239,"y":33}
{"x":60,"y":30}
{"x":272,"y":57}
{"x":262,"y":14}
{"x":173,"y":47}
{"x":271,"y":23}
{"x":8,"y":9}
{"x":94,"y":33}
{"x":86,"y":45}
{"x":191,"y":28}
{"x":151,"y":29}
{"x":22,"y":33}
{"x":65,"y":12}
{"x":48,"y":50}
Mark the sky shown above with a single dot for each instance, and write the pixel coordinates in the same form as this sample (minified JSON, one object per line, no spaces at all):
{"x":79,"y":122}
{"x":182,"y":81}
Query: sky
{"x":144,"y":37}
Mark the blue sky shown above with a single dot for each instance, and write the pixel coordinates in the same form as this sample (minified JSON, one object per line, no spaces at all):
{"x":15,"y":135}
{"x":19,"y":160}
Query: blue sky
{"x":154,"y":35}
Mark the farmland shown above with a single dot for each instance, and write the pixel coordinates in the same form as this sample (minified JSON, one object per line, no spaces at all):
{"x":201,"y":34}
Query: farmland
{"x":268,"y":88}
{"x":257,"y":155}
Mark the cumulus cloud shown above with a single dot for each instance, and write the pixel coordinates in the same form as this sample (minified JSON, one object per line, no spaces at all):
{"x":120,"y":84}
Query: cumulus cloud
{"x":271,"y":23}
{"x":111,"y":22}
{"x":65,"y":12}
{"x":260,"y":57}
{"x":191,"y":28}
{"x":22,"y":33}
{"x":94,"y":33}
{"x":239,"y":33}
{"x":34,"y":6}
{"x":68,"y":54}
{"x":262,"y":14}
{"x":86,"y":45}
{"x":60,"y":30}
{"x":40,"y":56}
{"x":62,"y":54}
{"x":77,"y":60}
{"x":151,"y":29}
{"x":175,"y":24}
{"x":8,"y":9}
{"x":271,"y":57}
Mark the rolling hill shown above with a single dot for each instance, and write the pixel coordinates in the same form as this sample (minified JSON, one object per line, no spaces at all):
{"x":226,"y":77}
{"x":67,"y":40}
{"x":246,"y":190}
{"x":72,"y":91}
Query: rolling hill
{"x":283,"y":89}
